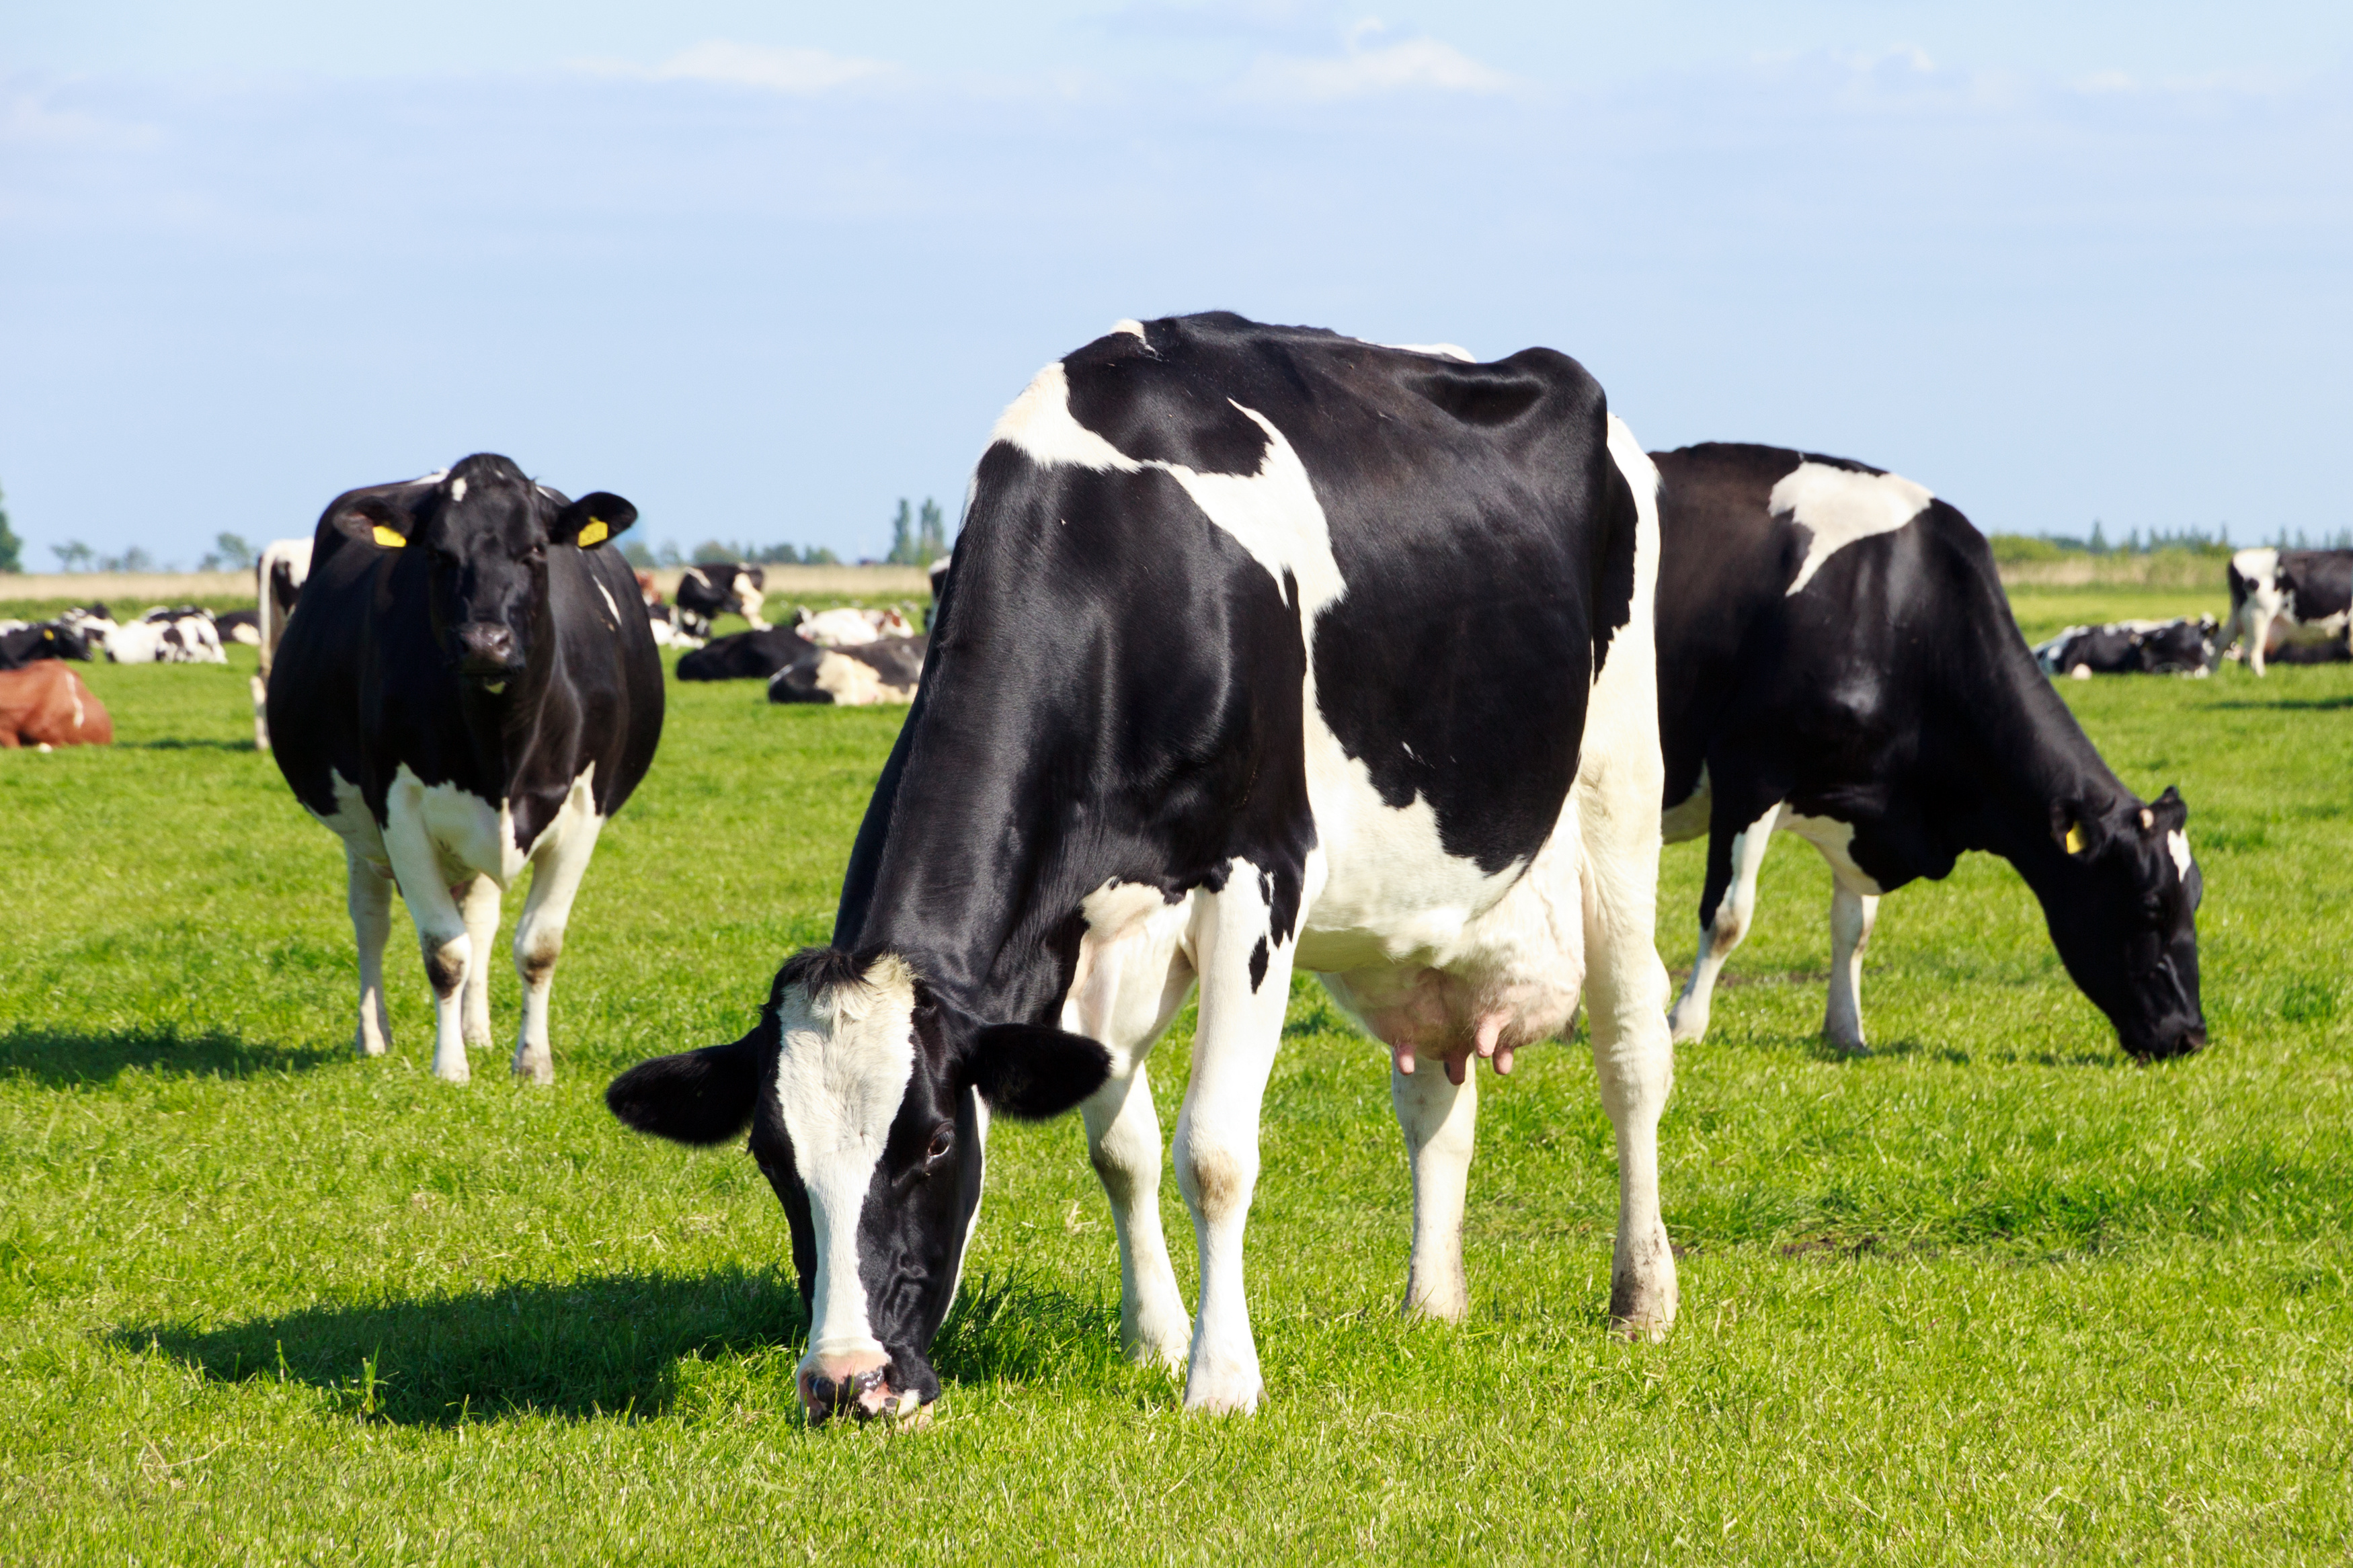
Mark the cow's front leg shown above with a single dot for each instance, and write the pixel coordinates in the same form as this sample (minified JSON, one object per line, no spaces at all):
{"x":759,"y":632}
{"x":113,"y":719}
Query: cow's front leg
{"x":440,"y":934}
{"x":1245,"y":986}
{"x":555,"y":879}
{"x":1123,"y":1144}
{"x":368,"y":893}
{"x":1439,"y":1119}
{"x":478,"y":902}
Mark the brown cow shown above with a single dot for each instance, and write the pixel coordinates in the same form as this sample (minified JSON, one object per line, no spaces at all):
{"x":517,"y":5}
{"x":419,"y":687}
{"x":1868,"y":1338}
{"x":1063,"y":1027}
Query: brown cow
{"x":46,"y":704}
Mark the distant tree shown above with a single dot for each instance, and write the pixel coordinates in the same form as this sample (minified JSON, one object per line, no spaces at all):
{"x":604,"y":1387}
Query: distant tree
{"x":818,"y":555}
{"x":12,"y":549}
{"x":73,"y":555}
{"x":711,"y":552}
{"x":669,"y":555}
{"x":636,"y":553}
{"x":2099,"y":545}
{"x":232,"y":553}
{"x":931,"y":534}
{"x":903,"y":536}
{"x":132,"y":560}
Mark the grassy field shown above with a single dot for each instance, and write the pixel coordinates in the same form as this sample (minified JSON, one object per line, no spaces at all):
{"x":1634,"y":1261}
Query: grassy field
{"x":1991,"y":1293}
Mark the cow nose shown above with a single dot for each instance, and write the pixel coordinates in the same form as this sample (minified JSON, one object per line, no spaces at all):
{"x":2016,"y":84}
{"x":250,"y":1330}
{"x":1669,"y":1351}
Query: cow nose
{"x":831,"y":1384}
{"x":488,"y":647}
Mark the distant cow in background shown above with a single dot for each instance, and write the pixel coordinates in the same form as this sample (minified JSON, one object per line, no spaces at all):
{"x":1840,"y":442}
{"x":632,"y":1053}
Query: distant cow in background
{"x":885,"y":671}
{"x":2295,"y":606}
{"x":22,"y":645}
{"x":848,"y":627}
{"x":2180,"y":646}
{"x":468,"y":689}
{"x":745,"y":656}
{"x":723,"y":588}
{"x":183,"y":634}
{"x":278,"y":579}
{"x":45,"y":705}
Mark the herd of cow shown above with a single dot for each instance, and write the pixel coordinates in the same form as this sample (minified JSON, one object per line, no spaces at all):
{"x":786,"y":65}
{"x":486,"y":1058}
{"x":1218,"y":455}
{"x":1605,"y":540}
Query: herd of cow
{"x":1261,"y":650}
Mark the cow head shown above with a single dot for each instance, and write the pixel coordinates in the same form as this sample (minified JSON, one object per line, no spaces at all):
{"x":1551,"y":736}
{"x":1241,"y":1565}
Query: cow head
{"x":2125,"y":922}
{"x":869,"y":1097}
{"x":484,"y":531}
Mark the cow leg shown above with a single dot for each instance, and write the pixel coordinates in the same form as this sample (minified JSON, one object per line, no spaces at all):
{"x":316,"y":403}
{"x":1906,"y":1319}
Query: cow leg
{"x":481,"y":908}
{"x":1245,"y":987}
{"x":1439,"y":1120}
{"x":555,"y":877}
{"x":1726,"y":905}
{"x":440,"y":928}
{"x":2259,"y":636}
{"x":260,"y":713}
{"x":1124,"y":1145}
{"x":368,"y":892}
{"x":1853,"y":914}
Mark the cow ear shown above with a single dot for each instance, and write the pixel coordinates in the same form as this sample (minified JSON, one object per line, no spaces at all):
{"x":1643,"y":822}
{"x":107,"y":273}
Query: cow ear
{"x":2077,"y":829}
{"x":372,"y":520}
{"x":592,"y":520}
{"x":1033,"y":1074}
{"x":700,"y":1096}
{"x":2169,"y":813}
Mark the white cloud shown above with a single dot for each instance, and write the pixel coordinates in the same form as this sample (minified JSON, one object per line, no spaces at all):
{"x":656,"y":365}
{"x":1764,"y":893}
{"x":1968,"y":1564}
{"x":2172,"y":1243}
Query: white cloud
{"x":1359,"y":71}
{"x":753,"y":65}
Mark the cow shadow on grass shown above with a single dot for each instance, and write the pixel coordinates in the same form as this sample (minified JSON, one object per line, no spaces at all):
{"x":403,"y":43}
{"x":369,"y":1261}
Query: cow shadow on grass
{"x":605,"y":1346}
{"x":177,"y":745}
{"x":61,"y":1057}
{"x":2306,"y":704}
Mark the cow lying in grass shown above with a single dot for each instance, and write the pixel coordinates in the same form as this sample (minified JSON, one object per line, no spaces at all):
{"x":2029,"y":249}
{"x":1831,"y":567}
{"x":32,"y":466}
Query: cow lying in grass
{"x":45,"y":705}
{"x":2180,"y":647}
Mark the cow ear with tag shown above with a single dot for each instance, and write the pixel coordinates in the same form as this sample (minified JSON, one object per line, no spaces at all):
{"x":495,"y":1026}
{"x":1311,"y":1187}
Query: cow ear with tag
{"x":372,"y":520}
{"x":1034,"y":1074}
{"x":592,"y":520}
{"x":2077,"y":829}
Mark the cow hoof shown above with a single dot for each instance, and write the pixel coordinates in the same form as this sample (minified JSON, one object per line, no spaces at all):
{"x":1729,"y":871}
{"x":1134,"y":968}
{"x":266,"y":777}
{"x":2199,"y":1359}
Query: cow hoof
{"x":1167,"y":1351}
{"x":539,"y":1070}
{"x":1234,"y":1394}
{"x":364,"y":1047}
{"x":457,"y":1073}
{"x":1687,"y":1031}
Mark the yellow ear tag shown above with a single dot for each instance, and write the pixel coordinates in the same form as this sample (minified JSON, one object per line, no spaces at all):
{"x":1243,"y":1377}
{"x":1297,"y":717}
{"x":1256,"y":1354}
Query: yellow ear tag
{"x":389,"y":538}
{"x":2075,"y":838}
{"x":595,"y":533}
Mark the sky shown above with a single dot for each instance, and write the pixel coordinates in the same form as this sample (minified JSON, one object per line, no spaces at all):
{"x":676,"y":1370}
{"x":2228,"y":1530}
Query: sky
{"x":767,"y":269}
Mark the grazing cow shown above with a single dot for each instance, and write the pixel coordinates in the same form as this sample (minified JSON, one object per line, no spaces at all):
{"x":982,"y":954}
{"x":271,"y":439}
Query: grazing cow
{"x":1837,"y":660}
{"x":183,"y":634}
{"x":744,"y":656}
{"x":848,"y":627}
{"x":723,"y":588}
{"x":277,"y":578}
{"x":2289,"y":607}
{"x":2180,"y":647}
{"x":885,"y":671}
{"x":1265,"y":648}
{"x":46,"y":705}
{"x":466,"y":689}
{"x":24,"y":644}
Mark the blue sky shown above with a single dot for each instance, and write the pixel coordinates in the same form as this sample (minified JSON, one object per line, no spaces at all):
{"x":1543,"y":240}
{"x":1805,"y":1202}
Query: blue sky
{"x":767,"y":269}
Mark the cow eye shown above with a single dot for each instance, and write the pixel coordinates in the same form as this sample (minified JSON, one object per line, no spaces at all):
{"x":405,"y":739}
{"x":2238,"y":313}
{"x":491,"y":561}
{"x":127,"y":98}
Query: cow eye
{"x":941,"y":1141}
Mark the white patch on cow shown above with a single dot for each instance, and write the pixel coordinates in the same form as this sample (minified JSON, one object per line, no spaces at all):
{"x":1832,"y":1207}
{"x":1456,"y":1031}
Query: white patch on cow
{"x":435,"y":478}
{"x":1127,"y":324}
{"x":457,"y":490}
{"x":842,"y":1072}
{"x":609,"y":605}
{"x":1838,"y":506}
{"x":73,"y":690}
{"x":2177,"y":844}
{"x":854,"y":683}
{"x":1440,"y":351}
{"x":1835,"y":839}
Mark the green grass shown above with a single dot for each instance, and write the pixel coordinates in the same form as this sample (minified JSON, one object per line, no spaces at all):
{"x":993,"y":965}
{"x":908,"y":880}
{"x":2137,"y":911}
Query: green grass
{"x":1993,"y":1293}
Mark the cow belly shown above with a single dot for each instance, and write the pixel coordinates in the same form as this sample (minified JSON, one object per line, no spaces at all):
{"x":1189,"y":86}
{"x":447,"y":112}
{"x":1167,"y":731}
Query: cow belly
{"x":469,"y":835}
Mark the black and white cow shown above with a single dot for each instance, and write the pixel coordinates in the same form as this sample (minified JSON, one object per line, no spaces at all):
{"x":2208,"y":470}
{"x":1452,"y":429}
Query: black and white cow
{"x":2289,"y":607}
{"x":177,"y":633}
{"x":277,"y":578}
{"x":722,"y":588}
{"x":886,"y":670}
{"x":1264,"y":649}
{"x":467,"y":688}
{"x":848,"y":627}
{"x":21,"y":644}
{"x":2179,"y":647}
{"x":745,"y":656}
{"x":1837,"y":660}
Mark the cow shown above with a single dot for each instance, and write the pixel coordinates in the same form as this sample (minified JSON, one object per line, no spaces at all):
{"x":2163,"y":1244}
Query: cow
{"x":744,"y":656}
{"x":21,"y":645}
{"x":722,"y":588}
{"x":2291,"y":606}
{"x":91,"y":623}
{"x":2179,"y":647}
{"x":466,"y":690}
{"x":279,"y":574}
{"x":1837,"y":660}
{"x":1265,"y":649}
{"x":239,"y":626}
{"x":848,"y":627}
{"x":183,"y":634}
{"x":46,"y":705}
{"x":886,"y":670}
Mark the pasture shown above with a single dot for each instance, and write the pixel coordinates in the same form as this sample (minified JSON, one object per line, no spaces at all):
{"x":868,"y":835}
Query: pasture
{"x":1990,"y":1293}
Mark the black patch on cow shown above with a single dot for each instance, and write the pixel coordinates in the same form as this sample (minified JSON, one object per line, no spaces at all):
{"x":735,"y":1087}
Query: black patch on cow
{"x":1258,"y":965}
{"x":746,"y":656}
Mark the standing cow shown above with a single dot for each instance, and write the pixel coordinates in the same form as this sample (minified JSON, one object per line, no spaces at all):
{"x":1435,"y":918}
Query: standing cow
{"x":722,"y":588}
{"x":2291,"y":605}
{"x":1265,"y":648}
{"x":278,"y":579}
{"x":468,"y":689}
{"x":1837,"y":660}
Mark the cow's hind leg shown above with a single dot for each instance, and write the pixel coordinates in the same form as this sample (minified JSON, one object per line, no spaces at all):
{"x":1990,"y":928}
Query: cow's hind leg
{"x":479,"y":905}
{"x":1439,"y":1120}
{"x":1725,"y":906}
{"x":1124,"y":1145}
{"x":556,"y":877}
{"x":1245,"y":986}
{"x":368,"y":892}
{"x":1853,"y":914}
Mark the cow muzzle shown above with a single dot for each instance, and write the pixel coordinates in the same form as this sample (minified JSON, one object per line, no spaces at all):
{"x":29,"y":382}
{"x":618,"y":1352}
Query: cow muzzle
{"x":2175,"y":1040}
{"x":486,"y":651}
{"x":857,"y":1386}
